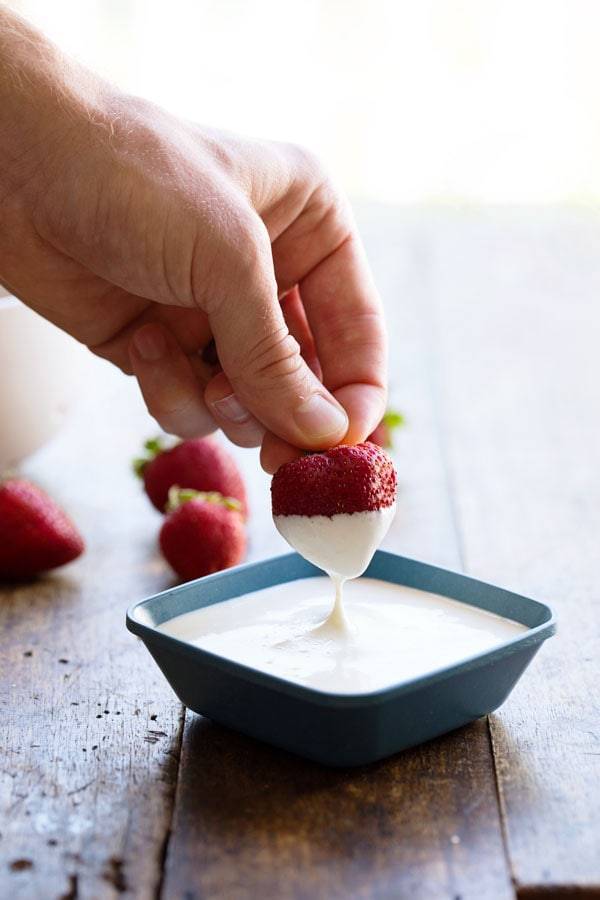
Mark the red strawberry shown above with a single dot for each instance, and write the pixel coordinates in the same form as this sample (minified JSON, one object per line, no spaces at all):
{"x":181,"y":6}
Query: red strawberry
{"x":342,"y":480}
{"x":202,"y":533}
{"x":335,"y":507}
{"x":198,"y":463}
{"x":35,"y":534}
{"x":384,"y":431}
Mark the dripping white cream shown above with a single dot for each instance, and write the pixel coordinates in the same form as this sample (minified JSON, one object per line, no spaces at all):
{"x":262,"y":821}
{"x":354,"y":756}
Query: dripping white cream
{"x":341,"y":545}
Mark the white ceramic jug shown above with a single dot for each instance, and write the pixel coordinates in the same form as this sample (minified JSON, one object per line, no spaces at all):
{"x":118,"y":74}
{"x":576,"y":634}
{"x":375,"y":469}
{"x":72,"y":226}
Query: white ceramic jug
{"x":39,"y":376}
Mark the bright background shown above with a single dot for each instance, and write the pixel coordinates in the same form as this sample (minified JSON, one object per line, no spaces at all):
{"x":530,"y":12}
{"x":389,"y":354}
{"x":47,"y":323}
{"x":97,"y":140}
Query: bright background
{"x":408,"y":101}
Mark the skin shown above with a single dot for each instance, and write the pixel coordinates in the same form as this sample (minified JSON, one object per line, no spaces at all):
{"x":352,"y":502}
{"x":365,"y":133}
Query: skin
{"x":146,"y":237}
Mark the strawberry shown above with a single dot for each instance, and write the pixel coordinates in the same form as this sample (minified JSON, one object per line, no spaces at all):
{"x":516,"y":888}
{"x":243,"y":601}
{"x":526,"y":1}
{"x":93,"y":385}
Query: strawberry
{"x":335,"y":507}
{"x":198,"y":463}
{"x":202,"y":533}
{"x":346,"y":479}
{"x":383,"y":434}
{"x":35,"y":534}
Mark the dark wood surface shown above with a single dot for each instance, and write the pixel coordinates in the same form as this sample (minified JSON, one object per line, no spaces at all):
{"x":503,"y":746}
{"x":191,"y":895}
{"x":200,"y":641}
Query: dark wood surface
{"x":518,"y":350}
{"x":90,"y":732}
{"x":105,"y":791}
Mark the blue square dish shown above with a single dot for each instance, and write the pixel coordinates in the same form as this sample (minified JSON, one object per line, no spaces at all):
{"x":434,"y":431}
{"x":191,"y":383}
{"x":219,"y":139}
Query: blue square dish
{"x":340,"y":729}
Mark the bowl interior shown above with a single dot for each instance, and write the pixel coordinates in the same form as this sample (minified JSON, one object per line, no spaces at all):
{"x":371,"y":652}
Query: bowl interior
{"x":290,"y":567}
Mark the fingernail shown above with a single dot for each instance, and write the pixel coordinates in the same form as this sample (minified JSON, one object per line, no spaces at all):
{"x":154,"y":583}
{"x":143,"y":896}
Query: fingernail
{"x":318,"y":417}
{"x":150,"y":344}
{"x":231,"y":409}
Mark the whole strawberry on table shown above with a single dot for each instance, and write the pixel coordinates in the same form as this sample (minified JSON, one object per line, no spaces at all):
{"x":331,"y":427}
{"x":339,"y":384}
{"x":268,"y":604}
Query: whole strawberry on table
{"x":203,"y":532}
{"x":36,"y":535}
{"x":199,"y":463}
{"x":198,"y":486}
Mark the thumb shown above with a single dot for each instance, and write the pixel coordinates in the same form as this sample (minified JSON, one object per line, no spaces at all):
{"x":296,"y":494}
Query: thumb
{"x":265,"y":372}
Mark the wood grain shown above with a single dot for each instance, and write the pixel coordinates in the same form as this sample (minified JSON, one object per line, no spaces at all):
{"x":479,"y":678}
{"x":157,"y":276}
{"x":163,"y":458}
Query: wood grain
{"x":252,"y":821}
{"x":494,"y":326}
{"x":90,"y":731}
{"x":518,"y":366}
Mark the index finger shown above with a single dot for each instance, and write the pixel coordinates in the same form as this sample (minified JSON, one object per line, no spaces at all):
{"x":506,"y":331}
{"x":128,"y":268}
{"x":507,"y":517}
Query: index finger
{"x":344,"y":312}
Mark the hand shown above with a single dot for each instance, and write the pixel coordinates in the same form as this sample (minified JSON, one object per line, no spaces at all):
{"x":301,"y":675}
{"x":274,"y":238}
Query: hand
{"x":145,"y":237}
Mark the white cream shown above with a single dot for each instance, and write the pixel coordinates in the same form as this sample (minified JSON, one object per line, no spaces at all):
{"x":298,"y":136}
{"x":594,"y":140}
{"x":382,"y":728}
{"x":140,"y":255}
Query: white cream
{"x":393,"y":633}
{"x":341,"y":545}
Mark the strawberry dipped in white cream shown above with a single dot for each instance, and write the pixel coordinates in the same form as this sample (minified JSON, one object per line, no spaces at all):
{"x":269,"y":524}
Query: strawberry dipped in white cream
{"x":334,"y":508}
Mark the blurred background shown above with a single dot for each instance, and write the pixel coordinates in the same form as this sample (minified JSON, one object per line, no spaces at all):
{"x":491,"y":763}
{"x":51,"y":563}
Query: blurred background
{"x":429,"y":102}
{"x":468,"y":136}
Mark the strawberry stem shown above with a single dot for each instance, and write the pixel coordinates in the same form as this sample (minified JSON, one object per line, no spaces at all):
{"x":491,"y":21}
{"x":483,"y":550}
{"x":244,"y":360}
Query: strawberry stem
{"x":153,"y":447}
{"x":138,"y":465}
{"x":178,"y":496}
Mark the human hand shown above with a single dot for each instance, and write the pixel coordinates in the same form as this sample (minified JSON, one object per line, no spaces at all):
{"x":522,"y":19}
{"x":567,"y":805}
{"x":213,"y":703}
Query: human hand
{"x":145,"y":237}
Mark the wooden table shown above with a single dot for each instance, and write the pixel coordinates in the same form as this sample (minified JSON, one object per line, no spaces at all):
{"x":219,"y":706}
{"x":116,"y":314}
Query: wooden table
{"x":108,"y":787}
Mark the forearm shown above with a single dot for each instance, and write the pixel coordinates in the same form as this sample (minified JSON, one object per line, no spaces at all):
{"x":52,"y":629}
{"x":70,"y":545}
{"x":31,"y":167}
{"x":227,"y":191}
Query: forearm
{"x":42,"y":96}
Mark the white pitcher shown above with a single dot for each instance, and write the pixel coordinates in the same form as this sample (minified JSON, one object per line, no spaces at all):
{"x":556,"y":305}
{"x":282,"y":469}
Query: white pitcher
{"x":39,"y":369}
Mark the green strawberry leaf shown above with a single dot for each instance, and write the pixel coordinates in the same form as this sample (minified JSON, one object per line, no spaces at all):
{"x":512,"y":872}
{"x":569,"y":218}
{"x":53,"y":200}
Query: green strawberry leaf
{"x":138,"y":465}
{"x":393,"y":419}
{"x":153,"y":447}
{"x":178,"y":496}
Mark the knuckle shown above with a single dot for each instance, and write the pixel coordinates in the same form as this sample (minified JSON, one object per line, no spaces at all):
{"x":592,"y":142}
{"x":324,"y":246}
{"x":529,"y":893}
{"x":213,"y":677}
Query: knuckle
{"x":363,"y":330}
{"x":307,"y":161}
{"x":323,"y":191}
{"x":170,"y":410}
{"x":276,"y":356}
{"x":180,"y":421}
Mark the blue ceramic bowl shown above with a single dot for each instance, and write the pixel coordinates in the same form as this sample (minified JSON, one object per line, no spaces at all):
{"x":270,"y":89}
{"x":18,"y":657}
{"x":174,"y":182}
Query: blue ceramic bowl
{"x":340,"y":729}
